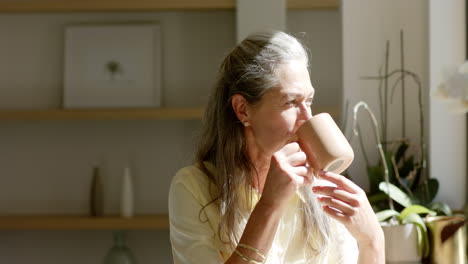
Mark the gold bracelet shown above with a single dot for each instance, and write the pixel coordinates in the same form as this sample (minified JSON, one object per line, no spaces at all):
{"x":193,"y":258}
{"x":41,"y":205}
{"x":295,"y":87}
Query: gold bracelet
{"x":253,"y":249}
{"x":247,"y":258}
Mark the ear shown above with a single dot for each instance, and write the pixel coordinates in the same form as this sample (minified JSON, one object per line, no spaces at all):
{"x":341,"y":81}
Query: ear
{"x":240,"y":107}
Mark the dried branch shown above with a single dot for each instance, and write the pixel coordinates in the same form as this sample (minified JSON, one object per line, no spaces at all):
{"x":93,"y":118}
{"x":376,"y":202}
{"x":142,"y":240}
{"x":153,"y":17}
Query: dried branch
{"x":379,"y":144}
{"x":397,"y":175}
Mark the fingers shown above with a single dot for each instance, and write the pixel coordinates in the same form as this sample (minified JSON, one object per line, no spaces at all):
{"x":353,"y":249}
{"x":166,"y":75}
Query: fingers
{"x":341,"y":181}
{"x":336,"y":214}
{"x":304,"y":175}
{"x":290,"y":148}
{"x":341,"y":202}
{"x":294,"y":161}
{"x":341,"y":206}
{"x":347,"y":203}
{"x":337,"y":193}
{"x":297,"y":159}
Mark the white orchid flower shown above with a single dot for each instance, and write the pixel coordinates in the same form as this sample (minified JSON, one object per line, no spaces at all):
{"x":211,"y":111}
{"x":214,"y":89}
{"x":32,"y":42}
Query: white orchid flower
{"x":454,"y":90}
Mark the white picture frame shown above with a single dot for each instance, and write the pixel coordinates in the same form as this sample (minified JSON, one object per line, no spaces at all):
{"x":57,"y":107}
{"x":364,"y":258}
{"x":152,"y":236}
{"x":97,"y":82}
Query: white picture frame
{"x":112,"y":66}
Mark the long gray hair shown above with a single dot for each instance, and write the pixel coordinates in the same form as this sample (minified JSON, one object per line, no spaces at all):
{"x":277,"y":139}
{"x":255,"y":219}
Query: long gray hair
{"x":250,"y":69}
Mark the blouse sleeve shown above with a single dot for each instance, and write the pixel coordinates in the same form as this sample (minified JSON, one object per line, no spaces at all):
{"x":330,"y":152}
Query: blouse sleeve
{"x":192,"y":240}
{"x":345,"y":249}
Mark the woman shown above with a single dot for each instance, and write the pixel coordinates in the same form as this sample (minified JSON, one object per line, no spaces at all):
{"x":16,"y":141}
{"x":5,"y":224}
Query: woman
{"x":250,"y":197}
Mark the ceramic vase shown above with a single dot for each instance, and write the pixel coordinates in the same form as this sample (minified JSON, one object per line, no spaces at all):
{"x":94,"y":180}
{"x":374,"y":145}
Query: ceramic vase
{"x":401,"y":244}
{"x":127,"y":199}
{"x":119,"y":253}
{"x":96,"y":201}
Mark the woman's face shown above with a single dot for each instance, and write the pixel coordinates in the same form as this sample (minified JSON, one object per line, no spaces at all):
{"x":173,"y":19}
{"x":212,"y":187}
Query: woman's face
{"x":282,"y":110}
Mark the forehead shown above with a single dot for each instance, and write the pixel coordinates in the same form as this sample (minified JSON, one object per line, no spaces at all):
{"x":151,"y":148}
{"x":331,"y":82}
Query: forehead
{"x":294,"y":79}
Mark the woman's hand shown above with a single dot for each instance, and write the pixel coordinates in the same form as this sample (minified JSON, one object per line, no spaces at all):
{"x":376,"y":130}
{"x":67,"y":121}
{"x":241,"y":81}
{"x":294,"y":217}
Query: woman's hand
{"x":288,"y":171}
{"x":348,"y":204}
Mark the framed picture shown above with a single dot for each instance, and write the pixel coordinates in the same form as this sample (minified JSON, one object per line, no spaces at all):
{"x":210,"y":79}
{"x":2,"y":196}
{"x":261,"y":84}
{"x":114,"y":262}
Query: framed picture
{"x":112,"y":65}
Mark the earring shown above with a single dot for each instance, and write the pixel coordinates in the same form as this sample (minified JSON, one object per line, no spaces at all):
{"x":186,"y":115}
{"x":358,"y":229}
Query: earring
{"x":246,"y":124}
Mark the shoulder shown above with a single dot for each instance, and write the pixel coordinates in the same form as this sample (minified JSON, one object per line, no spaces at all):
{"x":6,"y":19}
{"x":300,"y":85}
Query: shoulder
{"x":193,"y":180}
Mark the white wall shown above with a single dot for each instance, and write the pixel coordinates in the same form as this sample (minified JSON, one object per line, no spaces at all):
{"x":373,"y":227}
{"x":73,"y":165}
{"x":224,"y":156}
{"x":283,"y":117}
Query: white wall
{"x":46,"y":165}
{"x":367,"y":25}
{"x":434,"y":40}
{"x":249,"y":21}
{"x":33,"y":46}
{"x":324,"y":38}
{"x":447,"y":30}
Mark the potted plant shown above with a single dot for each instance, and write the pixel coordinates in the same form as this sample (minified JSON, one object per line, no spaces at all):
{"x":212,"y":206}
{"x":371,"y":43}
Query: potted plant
{"x":405,"y":161}
{"x":406,"y":234}
{"x":400,"y":176}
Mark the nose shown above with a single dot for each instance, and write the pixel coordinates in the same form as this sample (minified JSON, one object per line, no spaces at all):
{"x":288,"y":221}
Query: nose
{"x":306,"y":112}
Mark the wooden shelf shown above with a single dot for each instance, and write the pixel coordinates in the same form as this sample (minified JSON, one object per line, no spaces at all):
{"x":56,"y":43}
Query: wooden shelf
{"x":142,"y":5}
{"x":150,"y":222}
{"x":104,"y":114}
{"x":123,"y":114}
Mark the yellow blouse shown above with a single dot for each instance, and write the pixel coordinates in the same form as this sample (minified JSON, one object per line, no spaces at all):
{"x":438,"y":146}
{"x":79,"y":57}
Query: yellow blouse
{"x":196,"y":241}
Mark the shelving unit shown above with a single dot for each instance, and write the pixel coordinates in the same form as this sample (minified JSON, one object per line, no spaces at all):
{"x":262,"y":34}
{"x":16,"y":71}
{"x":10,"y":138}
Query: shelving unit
{"x":122,"y":114}
{"x":142,"y":5}
{"x":143,"y":222}
{"x":149,"y":222}
{"x":104,"y":114}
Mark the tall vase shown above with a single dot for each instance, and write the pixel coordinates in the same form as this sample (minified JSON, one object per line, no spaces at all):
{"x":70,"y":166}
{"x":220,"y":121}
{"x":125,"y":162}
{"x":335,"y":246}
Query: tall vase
{"x":119,"y":253}
{"x":126,"y":199}
{"x":96,"y":201}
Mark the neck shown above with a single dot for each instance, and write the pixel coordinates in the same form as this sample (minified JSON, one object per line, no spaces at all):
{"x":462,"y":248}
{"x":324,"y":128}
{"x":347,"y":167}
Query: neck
{"x":260,"y":159}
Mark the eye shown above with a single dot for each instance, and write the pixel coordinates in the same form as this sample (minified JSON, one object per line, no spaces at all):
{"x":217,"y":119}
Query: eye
{"x":291,"y":102}
{"x":310,"y":101}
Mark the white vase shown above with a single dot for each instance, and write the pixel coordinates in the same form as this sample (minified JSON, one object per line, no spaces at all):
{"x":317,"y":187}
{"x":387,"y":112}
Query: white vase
{"x":401,"y":244}
{"x":126,"y":199}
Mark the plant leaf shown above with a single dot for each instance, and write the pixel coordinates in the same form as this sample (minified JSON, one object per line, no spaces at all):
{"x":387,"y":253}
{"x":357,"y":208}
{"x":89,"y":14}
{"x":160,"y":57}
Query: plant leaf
{"x":425,"y":193}
{"x":423,"y":240}
{"x":401,"y":150}
{"x":407,"y":166}
{"x":374,"y":198}
{"x":441,"y":208}
{"x":386,"y":214}
{"x":396,"y":194}
{"x":433,"y":188}
{"x":420,"y":240}
{"x":415,"y":209}
{"x":375,"y":175}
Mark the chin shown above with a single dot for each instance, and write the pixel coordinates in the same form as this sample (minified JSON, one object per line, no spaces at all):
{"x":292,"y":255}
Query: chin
{"x":281,"y":142}
{"x":281,"y":145}
{"x":274,"y":148}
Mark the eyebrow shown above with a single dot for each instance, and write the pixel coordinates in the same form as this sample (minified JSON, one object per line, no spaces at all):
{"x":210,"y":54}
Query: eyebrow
{"x":311,"y":95}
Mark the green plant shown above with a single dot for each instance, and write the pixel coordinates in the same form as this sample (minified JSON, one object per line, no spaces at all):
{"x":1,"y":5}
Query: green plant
{"x":406,"y":201}
{"x":411,"y":214}
{"x":405,"y":173}
{"x":403,"y":163}
{"x":400,"y":176}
